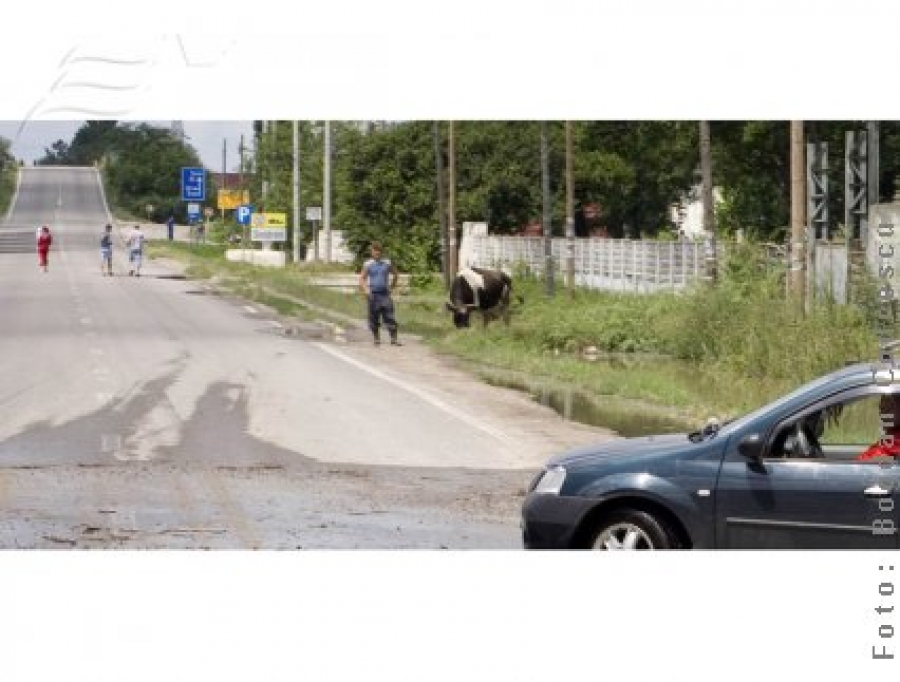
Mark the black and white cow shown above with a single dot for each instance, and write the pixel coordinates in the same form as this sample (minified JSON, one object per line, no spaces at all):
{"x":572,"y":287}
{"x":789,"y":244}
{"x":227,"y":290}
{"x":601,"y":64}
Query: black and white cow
{"x":487,"y":291}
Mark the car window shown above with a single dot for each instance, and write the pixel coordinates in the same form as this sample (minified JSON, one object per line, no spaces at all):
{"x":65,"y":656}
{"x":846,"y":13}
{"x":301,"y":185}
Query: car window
{"x":784,"y":400}
{"x":855,"y":422}
{"x":861,"y":429}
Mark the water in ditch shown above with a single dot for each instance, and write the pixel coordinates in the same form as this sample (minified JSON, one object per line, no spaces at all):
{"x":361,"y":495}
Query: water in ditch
{"x":626,"y":417}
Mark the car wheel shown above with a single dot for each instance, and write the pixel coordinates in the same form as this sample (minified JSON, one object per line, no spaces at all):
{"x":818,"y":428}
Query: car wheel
{"x":630,"y":529}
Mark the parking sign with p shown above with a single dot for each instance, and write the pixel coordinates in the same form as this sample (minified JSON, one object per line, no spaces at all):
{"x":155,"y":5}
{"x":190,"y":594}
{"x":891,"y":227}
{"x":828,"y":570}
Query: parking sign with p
{"x":243,"y":213}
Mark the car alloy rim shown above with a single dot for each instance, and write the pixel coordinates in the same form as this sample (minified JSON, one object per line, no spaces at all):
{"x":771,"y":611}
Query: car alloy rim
{"x":624,"y":536}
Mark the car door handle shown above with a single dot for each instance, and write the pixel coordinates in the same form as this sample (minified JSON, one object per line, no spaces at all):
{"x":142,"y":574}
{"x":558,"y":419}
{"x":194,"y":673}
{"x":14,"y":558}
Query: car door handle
{"x":876,"y":491}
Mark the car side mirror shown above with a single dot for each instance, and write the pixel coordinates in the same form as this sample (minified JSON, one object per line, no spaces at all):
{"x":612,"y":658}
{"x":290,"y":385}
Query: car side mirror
{"x":751,"y":446}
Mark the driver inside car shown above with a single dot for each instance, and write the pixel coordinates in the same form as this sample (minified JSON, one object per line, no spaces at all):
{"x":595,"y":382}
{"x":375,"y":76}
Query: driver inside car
{"x":889,"y":443}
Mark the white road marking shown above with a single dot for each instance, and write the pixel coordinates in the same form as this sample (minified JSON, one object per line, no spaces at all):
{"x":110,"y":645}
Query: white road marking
{"x":428,"y":398}
{"x":250,"y":309}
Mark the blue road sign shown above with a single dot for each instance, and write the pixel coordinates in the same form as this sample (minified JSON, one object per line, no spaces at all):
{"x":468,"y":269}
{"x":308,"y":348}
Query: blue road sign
{"x":243,"y":214}
{"x":193,"y":184}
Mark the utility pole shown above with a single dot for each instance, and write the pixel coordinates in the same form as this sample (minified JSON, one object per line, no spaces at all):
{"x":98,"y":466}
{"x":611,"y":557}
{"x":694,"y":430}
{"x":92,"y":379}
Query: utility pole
{"x":263,"y":165}
{"x":326,"y":191}
{"x":271,"y":132}
{"x":545,"y":194}
{"x":442,"y":202}
{"x":296,"y":191}
{"x":451,"y":202}
{"x":798,"y":213}
{"x":224,"y":173}
{"x":241,"y":188}
{"x":873,"y":139}
{"x":570,"y":210}
{"x":706,"y":192}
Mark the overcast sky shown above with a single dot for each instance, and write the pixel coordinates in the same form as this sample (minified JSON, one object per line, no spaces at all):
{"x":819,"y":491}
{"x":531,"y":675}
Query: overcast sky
{"x":30,"y":141}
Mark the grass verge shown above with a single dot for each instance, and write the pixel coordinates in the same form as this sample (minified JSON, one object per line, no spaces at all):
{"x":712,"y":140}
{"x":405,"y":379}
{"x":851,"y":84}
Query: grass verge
{"x":719,"y":351}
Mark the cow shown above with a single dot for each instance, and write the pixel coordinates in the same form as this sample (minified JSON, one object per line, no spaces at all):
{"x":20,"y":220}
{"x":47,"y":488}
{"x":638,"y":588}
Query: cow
{"x":487,"y":291}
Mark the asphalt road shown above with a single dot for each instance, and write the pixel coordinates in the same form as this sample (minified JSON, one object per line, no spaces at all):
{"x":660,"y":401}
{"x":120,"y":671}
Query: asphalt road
{"x":154,"y":412}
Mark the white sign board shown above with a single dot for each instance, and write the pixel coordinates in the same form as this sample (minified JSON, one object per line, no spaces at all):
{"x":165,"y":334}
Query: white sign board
{"x":314,"y":213}
{"x":268,"y":234}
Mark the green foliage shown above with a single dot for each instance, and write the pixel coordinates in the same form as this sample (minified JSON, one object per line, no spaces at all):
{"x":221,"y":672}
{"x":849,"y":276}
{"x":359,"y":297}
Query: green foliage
{"x":57,"y":154}
{"x":143,"y":167}
{"x":746,"y":324}
{"x":8,"y":171}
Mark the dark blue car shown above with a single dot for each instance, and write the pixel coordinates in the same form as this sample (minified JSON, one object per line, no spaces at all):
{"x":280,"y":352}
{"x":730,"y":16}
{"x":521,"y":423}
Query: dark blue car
{"x":817,"y":468}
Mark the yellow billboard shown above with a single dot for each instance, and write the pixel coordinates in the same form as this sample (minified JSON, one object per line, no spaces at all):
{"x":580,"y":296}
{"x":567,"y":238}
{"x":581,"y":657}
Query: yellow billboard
{"x":232,"y":198}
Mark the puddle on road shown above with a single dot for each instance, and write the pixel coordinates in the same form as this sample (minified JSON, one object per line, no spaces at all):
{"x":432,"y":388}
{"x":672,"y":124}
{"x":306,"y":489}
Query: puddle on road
{"x":626,"y":417}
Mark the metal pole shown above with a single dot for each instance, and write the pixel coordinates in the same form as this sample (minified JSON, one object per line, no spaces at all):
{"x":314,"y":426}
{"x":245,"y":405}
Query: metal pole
{"x":545,"y":194}
{"x":296,"y":192}
{"x":570,"y":210}
{"x":326,"y":191}
{"x":873,"y":129}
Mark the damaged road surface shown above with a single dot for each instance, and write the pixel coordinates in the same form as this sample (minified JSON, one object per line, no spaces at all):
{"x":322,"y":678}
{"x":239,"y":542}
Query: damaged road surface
{"x":138,"y":414}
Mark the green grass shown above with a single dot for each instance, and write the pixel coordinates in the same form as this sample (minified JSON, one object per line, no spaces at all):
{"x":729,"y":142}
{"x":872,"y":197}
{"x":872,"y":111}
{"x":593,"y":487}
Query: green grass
{"x":719,"y":351}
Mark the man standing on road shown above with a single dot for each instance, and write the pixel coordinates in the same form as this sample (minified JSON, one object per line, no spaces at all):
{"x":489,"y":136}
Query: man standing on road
{"x":136,"y":250}
{"x":106,"y":251}
{"x":377,"y":279}
{"x":170,"y":225}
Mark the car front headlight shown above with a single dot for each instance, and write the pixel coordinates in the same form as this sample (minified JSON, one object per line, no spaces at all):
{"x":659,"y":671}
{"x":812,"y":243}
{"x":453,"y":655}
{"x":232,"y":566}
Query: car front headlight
{"x":551,"y":482}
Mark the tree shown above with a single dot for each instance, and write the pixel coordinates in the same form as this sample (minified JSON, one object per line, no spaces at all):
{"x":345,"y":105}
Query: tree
{"x":144,"y":167}
{"x":635,"y":170}
{"x":91,"y":141}
{"x":7,"y":160}
{"x":56,"y":155}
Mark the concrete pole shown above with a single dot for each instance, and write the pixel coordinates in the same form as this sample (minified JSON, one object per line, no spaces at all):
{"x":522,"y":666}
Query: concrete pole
{"x":270,"y":132}
{"x":570,"y":210}
{"x":451,"y":200}
{"x":547,"y":217}
{"x":263,"y":162}
{"x":798,"y":213}
{"x":224,"y":174}
{"x":709,"y":212}
{"x":442,"y":202}
{"x":326,"y":190}
{"x":241,"y":187}
{"x":296,"y":191}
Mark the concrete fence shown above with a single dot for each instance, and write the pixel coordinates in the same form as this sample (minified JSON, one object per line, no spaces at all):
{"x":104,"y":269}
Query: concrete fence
{"x":612,"y":264}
